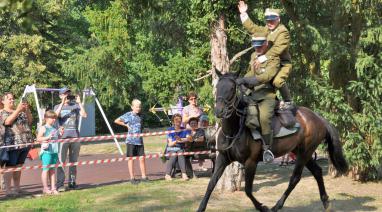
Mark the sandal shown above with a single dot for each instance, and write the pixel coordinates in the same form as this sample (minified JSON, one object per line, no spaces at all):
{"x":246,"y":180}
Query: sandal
{"x":54,"y":192}
{"x":46,"y":191}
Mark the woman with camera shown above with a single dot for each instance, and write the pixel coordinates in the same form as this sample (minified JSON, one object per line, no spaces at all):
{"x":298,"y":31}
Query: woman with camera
{"x":17,"y":131}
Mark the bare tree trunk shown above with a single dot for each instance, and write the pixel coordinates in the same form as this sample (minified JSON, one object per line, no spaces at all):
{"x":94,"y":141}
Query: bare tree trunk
{"x":231,"y":178}
{"x":219,"y":55}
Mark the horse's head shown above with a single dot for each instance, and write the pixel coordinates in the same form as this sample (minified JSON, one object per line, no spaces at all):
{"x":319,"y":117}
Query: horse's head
{"x":225,"y":94}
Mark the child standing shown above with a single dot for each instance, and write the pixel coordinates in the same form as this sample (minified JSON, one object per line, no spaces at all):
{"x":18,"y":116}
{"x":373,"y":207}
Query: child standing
{"x":48,"y":153}
{"x":133,"y":122}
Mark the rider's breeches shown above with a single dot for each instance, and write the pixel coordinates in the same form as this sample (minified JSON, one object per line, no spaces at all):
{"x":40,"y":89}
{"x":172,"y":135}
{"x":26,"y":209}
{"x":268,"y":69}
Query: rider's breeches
{"x":282,"y":75}
{"x":266,"y":110}
{"x":263,"y":117}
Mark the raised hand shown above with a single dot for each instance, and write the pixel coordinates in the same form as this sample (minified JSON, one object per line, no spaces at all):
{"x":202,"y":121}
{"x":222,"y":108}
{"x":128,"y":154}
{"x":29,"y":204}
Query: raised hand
{"x":22,"y":106}
{"x":243,"y":7}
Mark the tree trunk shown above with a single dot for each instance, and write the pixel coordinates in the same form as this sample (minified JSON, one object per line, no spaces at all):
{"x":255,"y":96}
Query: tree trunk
{"x":231,"y":179}
{"x":219,"y":55}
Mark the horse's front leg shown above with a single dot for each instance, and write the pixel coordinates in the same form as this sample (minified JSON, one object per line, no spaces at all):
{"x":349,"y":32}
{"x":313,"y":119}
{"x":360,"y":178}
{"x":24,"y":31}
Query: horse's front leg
{"x":250,"y":171}
{"x":221,"y":164}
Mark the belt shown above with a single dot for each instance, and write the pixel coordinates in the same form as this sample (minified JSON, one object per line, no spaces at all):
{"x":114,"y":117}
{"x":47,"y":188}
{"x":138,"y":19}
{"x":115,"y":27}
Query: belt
{"x":267,"y":85}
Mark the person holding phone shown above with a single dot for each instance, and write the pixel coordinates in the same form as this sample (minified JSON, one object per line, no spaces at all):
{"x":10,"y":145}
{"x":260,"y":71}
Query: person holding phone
{"x":68,"y":113}
{"x":17,"y":122}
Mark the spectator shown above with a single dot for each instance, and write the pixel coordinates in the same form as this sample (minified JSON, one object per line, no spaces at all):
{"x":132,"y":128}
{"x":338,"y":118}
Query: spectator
{"x":203,"y":121}
{"x":68,"y":112}
{"x":176,"y":144}
{"x":198,"y":140}
{"x":49,"y":151}
{"x":17,"y":122}
{"x":134,"y":145}
{"x":191,"y":110}
{"x":197,"y":133}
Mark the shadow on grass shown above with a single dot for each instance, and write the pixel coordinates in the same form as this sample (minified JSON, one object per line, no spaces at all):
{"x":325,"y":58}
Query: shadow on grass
{"x":351,"y":204}
{"x":275,"y":174}
{"x":158,"y":199}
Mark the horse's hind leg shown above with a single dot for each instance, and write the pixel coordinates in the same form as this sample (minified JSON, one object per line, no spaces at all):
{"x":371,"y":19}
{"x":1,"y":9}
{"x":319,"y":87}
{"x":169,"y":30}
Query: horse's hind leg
{"x":250,"y":171}
{"x":316,"y":170}
{"x":295,"y":178}
{"x":221,"y":164}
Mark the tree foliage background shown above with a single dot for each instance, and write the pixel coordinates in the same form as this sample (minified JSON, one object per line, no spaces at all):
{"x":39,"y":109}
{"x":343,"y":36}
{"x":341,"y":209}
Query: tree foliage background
{"x":153,"y":50}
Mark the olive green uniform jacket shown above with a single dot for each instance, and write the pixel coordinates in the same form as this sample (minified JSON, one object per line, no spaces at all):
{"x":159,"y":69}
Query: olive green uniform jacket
{"x":262,"y":99}
{"x":279,"y":41}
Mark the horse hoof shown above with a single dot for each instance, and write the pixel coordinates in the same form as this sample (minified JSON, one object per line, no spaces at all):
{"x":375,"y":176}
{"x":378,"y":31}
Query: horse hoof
{"x":275,"y":208}
{"x":328,"y":206}
{"x":264,"y":209}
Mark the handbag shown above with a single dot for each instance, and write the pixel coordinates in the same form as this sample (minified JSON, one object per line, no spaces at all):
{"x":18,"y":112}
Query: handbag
{"x":33,"y":154}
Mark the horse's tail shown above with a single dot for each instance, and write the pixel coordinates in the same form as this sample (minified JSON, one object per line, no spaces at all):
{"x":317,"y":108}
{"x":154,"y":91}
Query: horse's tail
{"x":335,"y":149}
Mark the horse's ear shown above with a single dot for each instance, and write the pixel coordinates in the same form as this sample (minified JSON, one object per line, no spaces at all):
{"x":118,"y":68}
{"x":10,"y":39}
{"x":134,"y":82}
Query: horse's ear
{"x":218,"y":73}
{"x":237,"y":73}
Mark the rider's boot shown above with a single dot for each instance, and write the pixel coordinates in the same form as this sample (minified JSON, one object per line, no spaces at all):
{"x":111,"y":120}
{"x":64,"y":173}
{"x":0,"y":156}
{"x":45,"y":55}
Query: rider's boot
{"x":287,"y":99}
{"x":268,"y":156}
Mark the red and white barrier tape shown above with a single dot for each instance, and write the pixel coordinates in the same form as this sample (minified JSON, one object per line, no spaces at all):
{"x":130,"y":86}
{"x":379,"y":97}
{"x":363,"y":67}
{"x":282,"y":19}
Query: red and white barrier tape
{"x":103,"y":161}
{"x":98,"y":138}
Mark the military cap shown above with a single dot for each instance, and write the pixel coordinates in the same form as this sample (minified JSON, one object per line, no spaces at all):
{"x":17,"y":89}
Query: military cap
{"x":259,"y":38}
{"x":271,"y":14}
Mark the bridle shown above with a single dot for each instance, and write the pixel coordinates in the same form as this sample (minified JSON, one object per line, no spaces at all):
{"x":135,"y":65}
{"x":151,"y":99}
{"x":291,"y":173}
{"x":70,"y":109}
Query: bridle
{"x":230,"y":106}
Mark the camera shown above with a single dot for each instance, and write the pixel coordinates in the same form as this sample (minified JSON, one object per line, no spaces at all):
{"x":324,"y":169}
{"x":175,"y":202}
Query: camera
{"x":71,"y":97}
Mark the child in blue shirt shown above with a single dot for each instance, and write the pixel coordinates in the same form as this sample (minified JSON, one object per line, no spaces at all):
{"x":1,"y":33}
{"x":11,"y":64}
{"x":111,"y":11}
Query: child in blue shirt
{"x":49,"y":151}
{"x":133,"y":122}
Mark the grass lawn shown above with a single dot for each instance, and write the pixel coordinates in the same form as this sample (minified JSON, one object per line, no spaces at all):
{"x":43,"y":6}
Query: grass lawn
{"x":270,"y":182}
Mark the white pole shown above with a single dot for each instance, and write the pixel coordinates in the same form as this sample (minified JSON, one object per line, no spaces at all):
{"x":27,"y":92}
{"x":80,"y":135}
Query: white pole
{"x":83,"y":104}
{"x":40,"y":116}
{"x":107,"y":123}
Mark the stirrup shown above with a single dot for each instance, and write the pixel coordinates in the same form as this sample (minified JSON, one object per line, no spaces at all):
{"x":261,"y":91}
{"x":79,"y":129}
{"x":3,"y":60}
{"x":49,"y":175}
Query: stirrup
{"x":268,"y":156}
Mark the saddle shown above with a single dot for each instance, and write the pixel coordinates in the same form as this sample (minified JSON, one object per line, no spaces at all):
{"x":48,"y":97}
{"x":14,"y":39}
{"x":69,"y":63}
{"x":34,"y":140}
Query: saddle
{"x":284,"y":123}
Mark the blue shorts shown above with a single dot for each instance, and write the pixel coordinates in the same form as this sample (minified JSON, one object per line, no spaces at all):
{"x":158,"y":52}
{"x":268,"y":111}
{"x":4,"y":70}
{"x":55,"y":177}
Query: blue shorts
{"x":49,"y":159}
{"x":17,"y":156}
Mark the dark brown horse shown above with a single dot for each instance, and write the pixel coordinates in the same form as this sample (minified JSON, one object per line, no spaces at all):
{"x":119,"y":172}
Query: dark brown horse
{"x":236,"y":144}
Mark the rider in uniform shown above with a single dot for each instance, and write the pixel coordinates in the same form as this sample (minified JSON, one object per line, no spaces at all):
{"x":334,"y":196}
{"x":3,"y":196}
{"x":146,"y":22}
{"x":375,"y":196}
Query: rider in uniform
{"x":261,"y":94}
{"x":279,"y":41}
